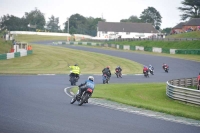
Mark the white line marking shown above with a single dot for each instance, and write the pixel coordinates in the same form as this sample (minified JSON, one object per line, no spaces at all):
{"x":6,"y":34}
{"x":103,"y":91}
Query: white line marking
{"x":143,"y":113}
{"x":46,"y":74}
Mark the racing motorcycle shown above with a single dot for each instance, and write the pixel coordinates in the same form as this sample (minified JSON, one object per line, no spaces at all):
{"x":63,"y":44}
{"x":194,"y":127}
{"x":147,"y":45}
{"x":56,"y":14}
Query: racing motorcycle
{"x":105,"y":78}
{"x":166,"y":69}
{"x":118,"y":73}
{"x":151,"y":71}
{"x":73,"y":80}
{"x":146,"y":74}
{"x":83,"y":98}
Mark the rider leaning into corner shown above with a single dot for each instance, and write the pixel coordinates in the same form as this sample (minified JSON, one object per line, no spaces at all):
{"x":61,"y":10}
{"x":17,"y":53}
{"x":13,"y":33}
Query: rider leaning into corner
{"x":107,"y":72}
{"x":87,"y":84}
{"x":145,"y":69}
{"x":165,"y":65}
{"x":118,"y":68}
{"x":75,"y":71}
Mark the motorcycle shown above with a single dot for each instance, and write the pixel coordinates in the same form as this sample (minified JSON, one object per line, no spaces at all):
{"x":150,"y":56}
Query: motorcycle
{"x":105,"y":78}
{"x":118,"y":73}
{"x":73,"y":80}
{"x":151,"y":71}
{"x":83,"y":98}
{"x":166,"y":69}
{"x":146,"y":74}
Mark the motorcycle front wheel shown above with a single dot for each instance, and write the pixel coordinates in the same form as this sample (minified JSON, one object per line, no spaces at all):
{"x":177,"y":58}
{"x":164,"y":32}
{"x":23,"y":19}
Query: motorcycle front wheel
{"x":73,"y":99}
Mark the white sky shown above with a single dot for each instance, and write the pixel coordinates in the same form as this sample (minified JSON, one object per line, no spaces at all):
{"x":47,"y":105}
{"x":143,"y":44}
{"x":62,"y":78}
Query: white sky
{"x":111,"y":10}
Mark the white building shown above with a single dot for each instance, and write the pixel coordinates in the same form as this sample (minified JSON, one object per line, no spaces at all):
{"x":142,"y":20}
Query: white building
{"x":110,"y":30}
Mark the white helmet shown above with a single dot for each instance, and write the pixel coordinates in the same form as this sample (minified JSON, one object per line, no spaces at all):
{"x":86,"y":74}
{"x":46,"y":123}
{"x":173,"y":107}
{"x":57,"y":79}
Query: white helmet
{"x":91,"y":78}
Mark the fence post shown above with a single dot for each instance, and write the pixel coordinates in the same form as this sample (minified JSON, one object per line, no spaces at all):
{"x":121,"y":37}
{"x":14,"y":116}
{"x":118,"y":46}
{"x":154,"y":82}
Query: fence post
{"x":185,"y":82}
{"x":192,"y":81}
{"x":179,"y":82}
{"x":174,"y":82}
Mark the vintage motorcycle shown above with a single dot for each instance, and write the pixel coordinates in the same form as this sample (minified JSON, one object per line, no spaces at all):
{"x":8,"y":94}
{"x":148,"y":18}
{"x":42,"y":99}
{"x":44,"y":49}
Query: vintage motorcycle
{"x":83,"y":98}
{"x":73,"y":79}
{"x":118,"y":73}
{"x":105,"y":78}
{"x":146,"y":74}
{"x":166,"y":69}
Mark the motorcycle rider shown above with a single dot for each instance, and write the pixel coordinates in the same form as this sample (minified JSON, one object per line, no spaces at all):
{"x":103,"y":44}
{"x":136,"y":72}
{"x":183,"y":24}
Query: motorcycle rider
{"x":119,"y":70}
{"x":107,"y":72}
{"x":165,"y":65}
{"x":75,"y":71}
{"x":145,"y":69}
{"x":151,"y":68}
{"x":89,"y":83}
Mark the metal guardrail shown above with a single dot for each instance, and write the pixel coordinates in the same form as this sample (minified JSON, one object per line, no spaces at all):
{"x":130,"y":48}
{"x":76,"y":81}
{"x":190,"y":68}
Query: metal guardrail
{"x":176,"y":89}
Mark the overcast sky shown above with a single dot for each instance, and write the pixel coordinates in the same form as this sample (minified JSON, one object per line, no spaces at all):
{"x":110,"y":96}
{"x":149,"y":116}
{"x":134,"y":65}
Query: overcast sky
{"x":111,"y":10}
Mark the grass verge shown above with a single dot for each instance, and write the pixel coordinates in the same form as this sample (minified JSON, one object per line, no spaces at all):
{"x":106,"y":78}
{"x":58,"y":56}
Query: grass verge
{"x":52,"y":59}
{"x":5,"y":46}
{"x":152,"y":98}
{"x":32,"y":38}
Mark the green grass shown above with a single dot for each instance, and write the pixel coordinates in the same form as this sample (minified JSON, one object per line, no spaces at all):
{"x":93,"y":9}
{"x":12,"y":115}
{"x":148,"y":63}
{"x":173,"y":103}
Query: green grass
{"x":151,"y":96}
{"x":194,"y":34}
{"x":161,"y":44}
{"x":31,"y":38}
{"x":53,"y":59}
{"x":5,"y":46}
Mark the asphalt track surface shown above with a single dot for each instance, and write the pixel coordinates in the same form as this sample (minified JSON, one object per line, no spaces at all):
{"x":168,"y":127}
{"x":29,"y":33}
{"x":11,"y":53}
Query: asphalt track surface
{"x":38,"y":103}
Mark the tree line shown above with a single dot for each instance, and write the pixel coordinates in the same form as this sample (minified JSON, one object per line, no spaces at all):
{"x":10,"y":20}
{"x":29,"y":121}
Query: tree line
{"x":78,"y":24}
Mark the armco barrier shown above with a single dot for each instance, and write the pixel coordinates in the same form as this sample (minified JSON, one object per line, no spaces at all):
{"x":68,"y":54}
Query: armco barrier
{"x":176,"y":89}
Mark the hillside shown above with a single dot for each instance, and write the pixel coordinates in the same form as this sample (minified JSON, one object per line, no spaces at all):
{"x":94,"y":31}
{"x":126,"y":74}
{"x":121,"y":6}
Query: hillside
{"x":193,"y":34}
{"x":5,"y":46}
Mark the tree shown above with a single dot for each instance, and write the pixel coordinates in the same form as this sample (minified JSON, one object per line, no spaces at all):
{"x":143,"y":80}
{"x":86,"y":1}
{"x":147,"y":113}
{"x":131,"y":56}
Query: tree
{"x":79,"y":24}
{"x":76,"y":21}
{"x":190,"y":9}
{"x":167,"y":30}
{"x":52,"y":24}
{"x":133,"y":19}
{"x":151,"y":15}
{"x":92,"y":25}
{"x":35,"y":17}
{"x":11,"y":23}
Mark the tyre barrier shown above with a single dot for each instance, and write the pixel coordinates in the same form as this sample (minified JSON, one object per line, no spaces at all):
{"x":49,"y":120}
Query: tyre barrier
{"x":15,"y":55}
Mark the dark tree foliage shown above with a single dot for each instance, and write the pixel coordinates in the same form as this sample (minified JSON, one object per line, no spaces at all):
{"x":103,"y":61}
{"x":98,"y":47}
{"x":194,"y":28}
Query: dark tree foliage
{"x":151,"y":15}
{"x":79,"y":24}
{"x":190,"y":9}
{"x":52,"y":24}
{"x":133,"y":19}
{"x":11,"y":22}
{"x":167,"y":30}
{"x":35,"y":17}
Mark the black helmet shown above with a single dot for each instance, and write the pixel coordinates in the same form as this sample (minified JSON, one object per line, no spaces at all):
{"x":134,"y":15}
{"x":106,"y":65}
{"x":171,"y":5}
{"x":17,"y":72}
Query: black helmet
{"x":76,"y":65}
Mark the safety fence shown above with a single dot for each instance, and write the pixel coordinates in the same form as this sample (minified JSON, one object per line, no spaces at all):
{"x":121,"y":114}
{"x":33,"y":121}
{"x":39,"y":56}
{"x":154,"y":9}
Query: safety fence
{"x":16,"y":54}
{"x":132,"y":47}
{"x":177,"y":89}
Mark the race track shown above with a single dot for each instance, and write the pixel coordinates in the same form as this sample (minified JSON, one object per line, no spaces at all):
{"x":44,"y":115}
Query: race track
{"x":39,"y":103}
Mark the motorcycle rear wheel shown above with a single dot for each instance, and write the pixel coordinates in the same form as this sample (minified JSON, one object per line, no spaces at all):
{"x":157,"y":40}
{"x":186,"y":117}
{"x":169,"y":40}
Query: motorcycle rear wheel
{"x":83,"y":99}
